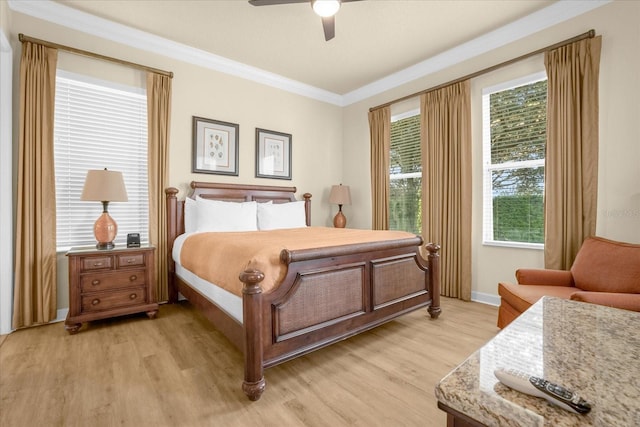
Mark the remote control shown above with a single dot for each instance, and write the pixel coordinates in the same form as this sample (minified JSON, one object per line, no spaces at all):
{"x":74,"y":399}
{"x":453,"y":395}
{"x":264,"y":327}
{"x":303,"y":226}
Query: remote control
{"x":540,"y":387}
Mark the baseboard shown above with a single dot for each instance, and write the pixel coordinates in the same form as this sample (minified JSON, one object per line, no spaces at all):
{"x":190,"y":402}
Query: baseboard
{"x":61,"y":315}
{"x":484,"y":298}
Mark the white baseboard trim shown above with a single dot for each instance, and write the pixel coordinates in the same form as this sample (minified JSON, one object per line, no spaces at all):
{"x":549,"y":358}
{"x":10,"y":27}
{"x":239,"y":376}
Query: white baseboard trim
{"x":484,"y":298}
{"x":61,"y":315}
{"x":480,"y":297}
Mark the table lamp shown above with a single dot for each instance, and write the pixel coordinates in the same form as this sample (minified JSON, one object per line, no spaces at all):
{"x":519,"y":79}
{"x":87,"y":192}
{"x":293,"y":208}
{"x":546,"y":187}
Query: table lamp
{"x":104,"y":186}
{"x":340,"y":195}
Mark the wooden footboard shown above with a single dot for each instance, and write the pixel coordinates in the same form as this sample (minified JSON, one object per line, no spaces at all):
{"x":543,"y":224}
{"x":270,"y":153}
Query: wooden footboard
{"x":328,"y":294}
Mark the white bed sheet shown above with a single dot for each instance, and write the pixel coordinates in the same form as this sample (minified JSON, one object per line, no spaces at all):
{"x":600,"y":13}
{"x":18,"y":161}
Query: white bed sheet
{"x":225,"y":300}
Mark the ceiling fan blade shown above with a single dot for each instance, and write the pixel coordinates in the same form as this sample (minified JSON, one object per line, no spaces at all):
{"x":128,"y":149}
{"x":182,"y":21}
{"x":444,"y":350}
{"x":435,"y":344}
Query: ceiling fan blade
{"x":274,"y":2}
{"x":329,"y":26}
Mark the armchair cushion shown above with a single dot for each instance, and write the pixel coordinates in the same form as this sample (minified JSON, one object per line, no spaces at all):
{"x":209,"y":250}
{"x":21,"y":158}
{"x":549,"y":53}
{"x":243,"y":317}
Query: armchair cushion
{"x":611,"y":299}
{"x":539,"y":276}
{"x":521,"y":297}
{"x":604,"y":265}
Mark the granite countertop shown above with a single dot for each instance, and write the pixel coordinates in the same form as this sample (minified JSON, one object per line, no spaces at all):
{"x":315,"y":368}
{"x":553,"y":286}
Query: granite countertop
{"x":590,"y":349}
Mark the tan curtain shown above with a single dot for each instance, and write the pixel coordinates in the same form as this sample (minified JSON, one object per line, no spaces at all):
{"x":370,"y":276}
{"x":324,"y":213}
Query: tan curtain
{"x":380,"y":131}
{"x":571,"y":170}
{"x":446,"y":183}
{"x":159,"y":114}
{"x":35,"y":289}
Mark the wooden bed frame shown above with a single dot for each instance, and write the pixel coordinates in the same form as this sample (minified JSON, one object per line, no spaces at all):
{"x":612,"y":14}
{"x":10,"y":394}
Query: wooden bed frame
{"x":353,"y":288}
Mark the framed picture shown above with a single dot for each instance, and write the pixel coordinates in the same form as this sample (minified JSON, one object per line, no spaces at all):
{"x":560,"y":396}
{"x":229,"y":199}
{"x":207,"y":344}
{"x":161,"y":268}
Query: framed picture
{"x":273,"y":154}
{"x":215,"y":147}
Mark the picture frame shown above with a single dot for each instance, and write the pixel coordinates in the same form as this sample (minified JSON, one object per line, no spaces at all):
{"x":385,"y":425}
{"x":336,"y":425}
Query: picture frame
{"x":273,"y":154}
{"x":215,"y":147}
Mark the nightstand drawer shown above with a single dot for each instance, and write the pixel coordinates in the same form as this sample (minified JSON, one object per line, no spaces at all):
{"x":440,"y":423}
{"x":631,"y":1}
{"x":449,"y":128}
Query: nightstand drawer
{"x":97,"y":263}
{"x":111,"y":280}
{"x":111,"y":300}
{"x":130,"y":260}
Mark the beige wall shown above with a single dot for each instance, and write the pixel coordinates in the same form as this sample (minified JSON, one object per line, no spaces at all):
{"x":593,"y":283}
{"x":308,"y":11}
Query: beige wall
{"x":316,"y":127}
{"x":331,"y":144}
{"x":4,"y":15}
{"x":619,"y":171}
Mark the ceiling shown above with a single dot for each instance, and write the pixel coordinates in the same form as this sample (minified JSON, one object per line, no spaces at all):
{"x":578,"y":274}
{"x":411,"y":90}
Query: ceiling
{"x":374,"y":38}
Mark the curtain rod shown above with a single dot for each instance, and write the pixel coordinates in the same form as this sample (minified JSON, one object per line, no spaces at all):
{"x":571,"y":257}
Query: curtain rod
{"x":589,"y":34}
{"x":24,"y":38}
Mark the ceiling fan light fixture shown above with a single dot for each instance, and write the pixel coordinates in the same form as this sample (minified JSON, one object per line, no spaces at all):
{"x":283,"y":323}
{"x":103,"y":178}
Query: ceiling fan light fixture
{"x":325,"y":8}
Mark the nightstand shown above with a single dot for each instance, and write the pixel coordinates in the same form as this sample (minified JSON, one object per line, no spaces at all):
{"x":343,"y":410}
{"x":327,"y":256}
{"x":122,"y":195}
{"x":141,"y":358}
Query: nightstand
{"x":109,"y":283}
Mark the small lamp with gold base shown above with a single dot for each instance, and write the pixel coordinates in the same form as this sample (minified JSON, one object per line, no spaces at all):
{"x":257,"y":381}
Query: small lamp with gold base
{"x":104,"y":186}
{"x":340,"y":195}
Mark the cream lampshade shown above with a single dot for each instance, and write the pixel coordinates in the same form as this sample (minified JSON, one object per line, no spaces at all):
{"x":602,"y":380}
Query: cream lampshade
{"x":340,"y":195}
{"x":104,"y":186}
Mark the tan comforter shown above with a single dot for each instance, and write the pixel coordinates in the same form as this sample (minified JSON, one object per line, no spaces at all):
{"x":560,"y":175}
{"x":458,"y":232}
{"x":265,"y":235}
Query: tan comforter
{"x":220,"y":257}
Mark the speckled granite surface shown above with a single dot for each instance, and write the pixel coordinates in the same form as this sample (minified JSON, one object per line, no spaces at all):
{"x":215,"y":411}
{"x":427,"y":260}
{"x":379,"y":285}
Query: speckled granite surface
{"x":590,"y":349}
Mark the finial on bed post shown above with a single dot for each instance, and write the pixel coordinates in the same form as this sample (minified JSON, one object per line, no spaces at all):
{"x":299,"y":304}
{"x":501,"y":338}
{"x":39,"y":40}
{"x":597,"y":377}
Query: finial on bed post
{"x":254,"y":383}
{"x":433,"y":260}
{"x":172,"y":233}
{"x":307,"y":207}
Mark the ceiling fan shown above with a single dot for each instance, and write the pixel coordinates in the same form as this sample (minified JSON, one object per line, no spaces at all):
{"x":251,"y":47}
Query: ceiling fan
{"x":326,"y":9}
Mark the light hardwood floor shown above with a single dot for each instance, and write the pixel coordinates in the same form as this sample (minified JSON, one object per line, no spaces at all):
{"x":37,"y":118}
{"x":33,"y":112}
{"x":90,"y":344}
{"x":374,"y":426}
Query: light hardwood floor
{"x":177,"y":370}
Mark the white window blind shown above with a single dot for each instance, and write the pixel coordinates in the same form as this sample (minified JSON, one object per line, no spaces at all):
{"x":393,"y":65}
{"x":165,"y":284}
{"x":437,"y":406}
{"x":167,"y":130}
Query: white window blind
{"x":405,"y":174}
{"x":99,"y":125}
{"x":514,"y":139}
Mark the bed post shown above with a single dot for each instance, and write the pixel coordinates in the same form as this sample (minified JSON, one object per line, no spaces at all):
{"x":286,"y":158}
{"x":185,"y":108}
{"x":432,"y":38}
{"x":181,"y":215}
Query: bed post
{"x":307,"y":208}
{"x":172,"y":233}
{"x":253,"y":384}
{"x":433,"y":260}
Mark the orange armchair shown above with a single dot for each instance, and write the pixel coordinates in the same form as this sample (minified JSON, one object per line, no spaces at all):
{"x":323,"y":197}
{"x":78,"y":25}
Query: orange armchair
{"x":604,"y":272}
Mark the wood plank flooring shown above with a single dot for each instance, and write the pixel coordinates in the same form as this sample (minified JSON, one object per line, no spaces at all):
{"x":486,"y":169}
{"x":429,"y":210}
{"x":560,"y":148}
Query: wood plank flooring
{"x":177,"y":370}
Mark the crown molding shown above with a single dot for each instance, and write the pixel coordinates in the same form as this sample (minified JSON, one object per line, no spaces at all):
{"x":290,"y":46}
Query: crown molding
{"x":80,"y":21}
{"x":65,"y":16}
{"x":551,"y":15}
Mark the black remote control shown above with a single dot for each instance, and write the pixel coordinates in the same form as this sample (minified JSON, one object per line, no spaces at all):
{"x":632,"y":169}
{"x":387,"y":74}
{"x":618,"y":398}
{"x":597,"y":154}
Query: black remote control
{"x":540,"y":387}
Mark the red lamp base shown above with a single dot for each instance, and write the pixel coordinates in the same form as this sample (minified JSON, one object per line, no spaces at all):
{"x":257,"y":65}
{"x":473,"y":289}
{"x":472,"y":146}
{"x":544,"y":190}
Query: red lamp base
{"x":105,"y":229}
{"x":339,"y":221}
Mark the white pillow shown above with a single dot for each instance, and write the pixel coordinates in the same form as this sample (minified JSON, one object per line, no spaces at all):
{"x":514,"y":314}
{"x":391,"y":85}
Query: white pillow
{"x":216,"y":215}
{"x":190,"y":215}
{"x":281,"y":215}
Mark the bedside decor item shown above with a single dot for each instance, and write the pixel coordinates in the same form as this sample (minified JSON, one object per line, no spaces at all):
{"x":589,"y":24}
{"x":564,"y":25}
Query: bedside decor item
{"x":215,"y":147}
{"x":133,"y":240}
{"x":273,"y":154}
{"x":340,"y":195}
{"x":104,"y":186}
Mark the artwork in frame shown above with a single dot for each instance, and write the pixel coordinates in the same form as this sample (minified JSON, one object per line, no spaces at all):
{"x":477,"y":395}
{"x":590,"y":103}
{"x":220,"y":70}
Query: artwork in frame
{"x":215,"y":147}
{"x":273,"y":154}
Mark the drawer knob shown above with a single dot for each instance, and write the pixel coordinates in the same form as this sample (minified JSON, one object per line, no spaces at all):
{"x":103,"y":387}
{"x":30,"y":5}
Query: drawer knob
{"x":95,"y":282}
{"x":95,"y":301}
{"x":97,"y":264}
{"x":133,"y":278}
{"x":133,"y":296}
{"x":129,"y":260}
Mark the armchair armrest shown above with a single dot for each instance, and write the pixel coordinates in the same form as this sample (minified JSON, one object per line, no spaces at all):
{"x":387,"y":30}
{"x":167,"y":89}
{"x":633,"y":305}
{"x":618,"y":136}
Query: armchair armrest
{"x":611,"y":299}
{"x":548,"y":277}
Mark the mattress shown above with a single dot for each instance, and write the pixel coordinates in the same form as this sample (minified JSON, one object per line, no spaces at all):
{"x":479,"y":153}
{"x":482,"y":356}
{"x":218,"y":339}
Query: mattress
{"x":223,"y":299}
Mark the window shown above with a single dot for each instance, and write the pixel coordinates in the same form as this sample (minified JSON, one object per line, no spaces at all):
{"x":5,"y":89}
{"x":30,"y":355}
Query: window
{"x":99,"y":125}
{"x":405,"y":174}
{"x":514,"y":134}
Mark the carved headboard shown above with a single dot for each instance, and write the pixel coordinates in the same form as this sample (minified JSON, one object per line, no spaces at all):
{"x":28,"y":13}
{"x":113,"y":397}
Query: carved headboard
{"x":228,"y":193}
